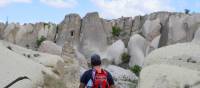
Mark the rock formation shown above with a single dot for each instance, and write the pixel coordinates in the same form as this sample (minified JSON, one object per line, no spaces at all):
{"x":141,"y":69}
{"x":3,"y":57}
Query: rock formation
{"x":93,"y":36}
{"x":137,"y":49}
{"x":69,"y":30}
{"x":50,"y":47}
{"x":155,"y":40}
{"x":167,"y":76}
{"x":115,"y":52}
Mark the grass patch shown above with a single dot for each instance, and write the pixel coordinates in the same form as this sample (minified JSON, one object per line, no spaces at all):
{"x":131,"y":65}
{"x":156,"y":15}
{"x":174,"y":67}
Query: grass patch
{"x":116,"y":31}
{"x":136,"y":69}
{"x":125,"y":57}
{"x":40,"y":40}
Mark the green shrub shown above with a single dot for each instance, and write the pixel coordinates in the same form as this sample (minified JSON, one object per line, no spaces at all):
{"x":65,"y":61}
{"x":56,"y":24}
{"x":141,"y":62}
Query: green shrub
{"x":125,"y":57}
{"x":40,"y":40}
{"x":187,"y":11}
{"x":136,"y":69}
{"x":116,"y":31}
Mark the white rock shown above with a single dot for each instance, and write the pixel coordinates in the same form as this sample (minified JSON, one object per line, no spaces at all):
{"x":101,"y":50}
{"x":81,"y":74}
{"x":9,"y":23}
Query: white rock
{"x":176,"y":29}
{"x":13,"y":65}
{"x":45,"y":59}
{"x":50,"y":47}
{"x":115,"y":51}
{"x":153,"y":45}
{"x":151,"y":29}
{"x":137,"y":49}
{"x":123,"y":78}
{"x":168,"y":76}
{"x":183,"y":55}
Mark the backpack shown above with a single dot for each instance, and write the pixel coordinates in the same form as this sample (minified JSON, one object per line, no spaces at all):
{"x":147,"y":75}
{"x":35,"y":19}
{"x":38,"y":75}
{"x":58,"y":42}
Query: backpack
{"x":100,"y":79}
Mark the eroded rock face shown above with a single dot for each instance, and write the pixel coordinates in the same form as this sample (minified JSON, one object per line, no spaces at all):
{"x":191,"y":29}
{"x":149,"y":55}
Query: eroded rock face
{"x":137,"y":49}
{"x":151,"y":29}
{"x":69,"y":30}
{"x":196,"y":37}
{"x":168,"y":76}
{"x":50,"y":47}
{"x":48,"y":30}
{"x":10,"y":32}
{"x":71,"y":68}
{"x":176,"y":29}
{"x":2,"y":26}
{"x":26,"y":36}
{"x":94,"y":38}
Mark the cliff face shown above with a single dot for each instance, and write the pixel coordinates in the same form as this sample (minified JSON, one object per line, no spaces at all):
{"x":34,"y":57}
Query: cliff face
{"x":93,"y":34}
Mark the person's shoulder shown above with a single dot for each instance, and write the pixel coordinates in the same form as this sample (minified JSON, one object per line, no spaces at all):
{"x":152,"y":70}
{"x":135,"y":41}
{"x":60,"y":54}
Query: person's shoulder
{"x":88,"y":72}
{"x":106,"y":71}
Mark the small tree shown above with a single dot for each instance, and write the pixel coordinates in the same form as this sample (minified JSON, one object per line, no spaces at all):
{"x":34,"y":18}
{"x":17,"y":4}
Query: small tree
{"x":136,"y":69}
{"x":125,"y":57}
{"x":40,"y":40}
{"x":116,"y":31}
{"x":187,"y":11}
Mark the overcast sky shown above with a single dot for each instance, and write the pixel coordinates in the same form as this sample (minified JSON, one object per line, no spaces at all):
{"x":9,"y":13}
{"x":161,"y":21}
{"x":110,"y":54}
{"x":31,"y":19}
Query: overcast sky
{"x":25,"y":11}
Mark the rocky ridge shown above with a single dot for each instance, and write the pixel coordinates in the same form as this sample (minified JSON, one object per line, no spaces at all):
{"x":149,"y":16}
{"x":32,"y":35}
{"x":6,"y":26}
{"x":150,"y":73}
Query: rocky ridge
{"x":155,"y":40}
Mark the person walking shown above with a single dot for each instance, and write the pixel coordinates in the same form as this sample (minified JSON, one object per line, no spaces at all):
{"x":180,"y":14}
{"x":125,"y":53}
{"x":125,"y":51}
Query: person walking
{"x":96,"y":77}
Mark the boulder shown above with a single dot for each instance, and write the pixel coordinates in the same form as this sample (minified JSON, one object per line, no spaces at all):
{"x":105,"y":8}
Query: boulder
{"x":93,"y":36}
{"x":123,"y":78}
{"x":69,"y":29}
{"x":153,"y":45}
{"x":29,"y":69}
{"x":137,"y":49}
{"x":168,"y":76}
{"x":50,"y":47}
{"x":115,"y":51}
{"x":181,"y":54}
{"x":47,"y":60}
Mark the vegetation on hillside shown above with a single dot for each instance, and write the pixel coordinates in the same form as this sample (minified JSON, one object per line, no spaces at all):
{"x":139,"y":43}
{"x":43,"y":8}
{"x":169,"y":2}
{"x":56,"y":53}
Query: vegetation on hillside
{"x":116,"y":31}
{"x":125,"y":57}
{"x":40,"y":40}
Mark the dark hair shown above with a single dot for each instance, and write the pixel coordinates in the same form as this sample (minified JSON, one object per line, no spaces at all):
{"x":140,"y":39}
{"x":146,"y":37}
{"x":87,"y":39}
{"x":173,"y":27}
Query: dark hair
{"x":95,"y":60}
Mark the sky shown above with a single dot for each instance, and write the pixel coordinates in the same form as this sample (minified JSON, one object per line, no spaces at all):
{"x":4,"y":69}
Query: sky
{"x":31,"y":11}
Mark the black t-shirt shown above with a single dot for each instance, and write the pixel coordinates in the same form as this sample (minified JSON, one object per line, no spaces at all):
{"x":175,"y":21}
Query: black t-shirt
{"x":88,"y":75}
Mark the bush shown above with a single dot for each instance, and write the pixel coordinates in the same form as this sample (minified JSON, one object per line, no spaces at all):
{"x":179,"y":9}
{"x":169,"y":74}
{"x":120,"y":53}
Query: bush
{"x":136,"y":69}
{"x":125,"y":57}
{"x":187,"y":11}
{"x":40,"y":40}
{"x":116,"y":31}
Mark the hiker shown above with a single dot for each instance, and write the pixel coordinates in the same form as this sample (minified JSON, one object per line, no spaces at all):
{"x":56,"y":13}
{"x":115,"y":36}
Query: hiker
{"x":96,"y":77}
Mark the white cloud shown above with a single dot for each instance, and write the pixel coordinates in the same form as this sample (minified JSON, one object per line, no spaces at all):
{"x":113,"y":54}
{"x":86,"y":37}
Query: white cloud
{"x":118,"y":8}
{"x":7,"y":2}
{"x":60,"y":3}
